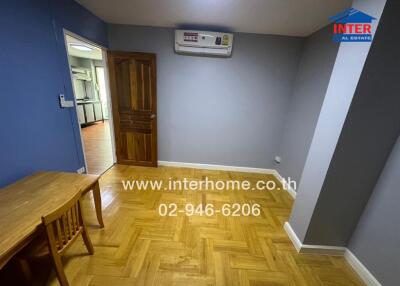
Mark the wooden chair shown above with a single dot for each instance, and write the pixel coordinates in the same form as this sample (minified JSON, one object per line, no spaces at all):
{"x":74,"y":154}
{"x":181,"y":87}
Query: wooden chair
{"x":62,"y":226}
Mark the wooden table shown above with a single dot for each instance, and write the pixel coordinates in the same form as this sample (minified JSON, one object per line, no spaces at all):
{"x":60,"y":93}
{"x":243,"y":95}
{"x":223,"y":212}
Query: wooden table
{"x":23,"y":203}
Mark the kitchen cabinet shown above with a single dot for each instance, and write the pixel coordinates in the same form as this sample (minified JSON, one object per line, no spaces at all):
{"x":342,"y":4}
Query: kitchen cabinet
{"x":81,"y":114}
{"x":98,"y":112}
{"x":89,"y":112}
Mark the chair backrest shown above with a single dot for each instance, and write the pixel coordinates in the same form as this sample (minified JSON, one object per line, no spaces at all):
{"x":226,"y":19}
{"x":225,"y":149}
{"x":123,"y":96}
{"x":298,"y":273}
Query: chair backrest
{"x":64,"y":224}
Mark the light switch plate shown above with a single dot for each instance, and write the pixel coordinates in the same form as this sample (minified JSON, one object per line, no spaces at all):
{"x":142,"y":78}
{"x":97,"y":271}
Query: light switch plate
{"x":65,"y":103}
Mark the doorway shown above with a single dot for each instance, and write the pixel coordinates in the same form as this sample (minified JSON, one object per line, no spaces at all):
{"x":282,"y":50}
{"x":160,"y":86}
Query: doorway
{"x":89,"y":75}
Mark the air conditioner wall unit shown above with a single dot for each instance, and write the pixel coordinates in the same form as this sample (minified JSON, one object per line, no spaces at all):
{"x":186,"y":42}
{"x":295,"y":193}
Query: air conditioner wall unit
{"x":203,"y":43}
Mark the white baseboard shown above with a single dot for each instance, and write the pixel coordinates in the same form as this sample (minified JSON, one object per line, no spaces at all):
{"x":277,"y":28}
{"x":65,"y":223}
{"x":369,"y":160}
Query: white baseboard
{"x":216,"y":167}
{"x":360,"y":269}
{"x":312,"y":249}
{"x":292,"y":236}
{"x":291,"y":192}
{"x":356,"y":264}
{"x":322,"y":249}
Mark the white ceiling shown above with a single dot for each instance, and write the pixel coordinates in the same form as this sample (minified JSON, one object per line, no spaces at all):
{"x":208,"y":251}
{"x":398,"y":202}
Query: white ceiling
{"x":282,"y":17}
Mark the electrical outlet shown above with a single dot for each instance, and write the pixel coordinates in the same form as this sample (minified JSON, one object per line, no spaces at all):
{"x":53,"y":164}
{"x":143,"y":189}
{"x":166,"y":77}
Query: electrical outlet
{"x":81,"y":170}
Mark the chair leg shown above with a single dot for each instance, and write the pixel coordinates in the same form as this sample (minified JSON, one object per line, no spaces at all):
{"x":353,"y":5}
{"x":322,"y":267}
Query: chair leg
{"x":97,"y":203}
{"x":87,"y":241}
{"x":85,"y":235}
{"x":59,"y":270}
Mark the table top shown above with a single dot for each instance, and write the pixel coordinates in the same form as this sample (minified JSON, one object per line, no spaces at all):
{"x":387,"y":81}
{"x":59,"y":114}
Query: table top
{"x":23,"y":203}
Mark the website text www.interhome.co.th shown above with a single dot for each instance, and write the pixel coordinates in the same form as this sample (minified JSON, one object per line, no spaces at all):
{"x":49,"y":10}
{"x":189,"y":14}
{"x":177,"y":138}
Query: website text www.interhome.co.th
{"x":186,"y":184}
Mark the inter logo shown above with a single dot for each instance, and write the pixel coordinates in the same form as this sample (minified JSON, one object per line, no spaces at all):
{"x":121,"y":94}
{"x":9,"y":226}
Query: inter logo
{"x":352,"y":25}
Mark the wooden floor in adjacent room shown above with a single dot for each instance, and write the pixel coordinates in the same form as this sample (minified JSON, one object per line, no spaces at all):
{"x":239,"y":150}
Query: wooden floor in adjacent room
{"x":139,"y":247}
{"x":97,"y":146}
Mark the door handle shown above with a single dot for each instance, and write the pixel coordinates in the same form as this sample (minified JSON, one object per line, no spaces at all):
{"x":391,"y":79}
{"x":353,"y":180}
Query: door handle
{"x":153,"y":115}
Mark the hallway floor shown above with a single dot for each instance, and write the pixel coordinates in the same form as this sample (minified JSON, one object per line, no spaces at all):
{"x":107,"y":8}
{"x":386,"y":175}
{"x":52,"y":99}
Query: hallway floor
{"x":140,"y":247}
{"x":97,"y":145}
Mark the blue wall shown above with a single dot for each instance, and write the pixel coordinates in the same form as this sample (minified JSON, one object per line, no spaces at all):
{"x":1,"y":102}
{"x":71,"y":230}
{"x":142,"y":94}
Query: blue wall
{"x":36,"y":134}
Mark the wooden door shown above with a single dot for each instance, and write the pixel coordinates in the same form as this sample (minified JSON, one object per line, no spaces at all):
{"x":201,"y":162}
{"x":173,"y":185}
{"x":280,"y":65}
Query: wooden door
{"x":133,"y":92}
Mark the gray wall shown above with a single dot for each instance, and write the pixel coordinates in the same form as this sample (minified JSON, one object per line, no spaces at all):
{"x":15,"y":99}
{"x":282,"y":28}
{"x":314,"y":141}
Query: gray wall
{"x":369,"y":133}
{"x":342,"y":85}
{"x":227,"y":111}
{"x":376,"y":239}
{"x":312,"y":80}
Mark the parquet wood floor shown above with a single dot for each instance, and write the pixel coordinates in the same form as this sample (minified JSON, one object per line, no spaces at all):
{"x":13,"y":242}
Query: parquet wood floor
{"x":139,"y":247}
{"x":97,"y":146}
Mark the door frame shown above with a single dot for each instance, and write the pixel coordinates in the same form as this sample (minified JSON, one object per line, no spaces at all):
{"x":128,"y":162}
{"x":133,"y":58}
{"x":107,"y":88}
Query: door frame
{"x":108,"y":91}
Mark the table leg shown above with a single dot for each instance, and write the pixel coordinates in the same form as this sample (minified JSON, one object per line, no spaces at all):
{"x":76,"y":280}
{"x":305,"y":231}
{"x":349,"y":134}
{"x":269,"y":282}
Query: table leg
{"x":97,"y":203}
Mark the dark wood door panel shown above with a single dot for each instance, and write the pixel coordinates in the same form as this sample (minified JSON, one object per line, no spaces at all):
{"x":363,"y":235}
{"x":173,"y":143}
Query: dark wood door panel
{"x":137,"y":147}
{"x":133,"y":88}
